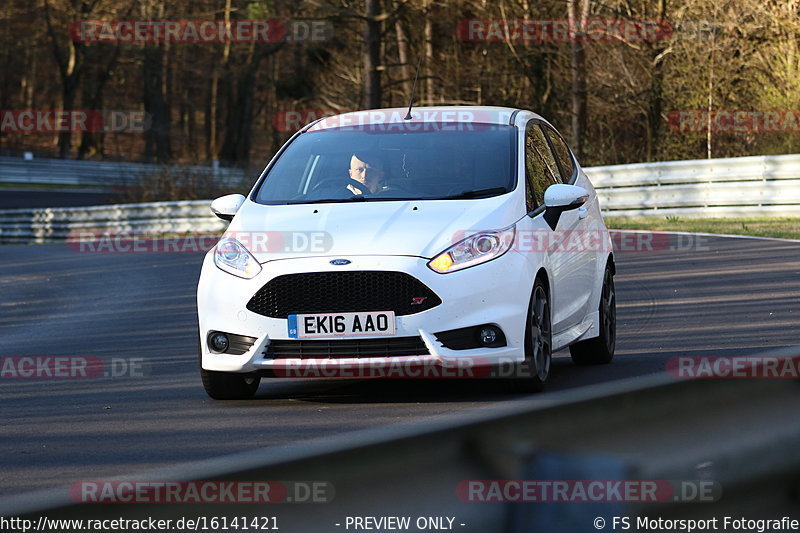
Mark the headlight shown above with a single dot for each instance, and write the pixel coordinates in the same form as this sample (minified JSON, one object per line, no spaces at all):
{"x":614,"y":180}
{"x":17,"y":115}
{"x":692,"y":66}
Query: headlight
{"x":474,"y":250}
{"x":231,"y":256}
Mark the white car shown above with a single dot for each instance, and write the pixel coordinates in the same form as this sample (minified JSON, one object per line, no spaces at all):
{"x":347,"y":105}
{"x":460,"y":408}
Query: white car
{"x":376,"y":243}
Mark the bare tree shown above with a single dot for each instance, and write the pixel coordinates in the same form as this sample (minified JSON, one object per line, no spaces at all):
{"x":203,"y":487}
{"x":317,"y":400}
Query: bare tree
{"x":157,"y":137}
{"x":226,"y":96}
{"x":430,"y":96}
{"x":578,"y":69}
{"x":372,"y":54}
{"x":402,"y":50}
{"x":69,"y":57}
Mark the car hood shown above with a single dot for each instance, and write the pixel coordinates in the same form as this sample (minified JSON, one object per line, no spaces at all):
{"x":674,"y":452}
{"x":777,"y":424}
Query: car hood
{"x":415,"y":228}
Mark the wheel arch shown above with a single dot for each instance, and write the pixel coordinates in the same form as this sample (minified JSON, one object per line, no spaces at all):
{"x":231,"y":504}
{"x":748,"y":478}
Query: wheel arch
{"x":611,"y":264}
{"x":544,"y":276}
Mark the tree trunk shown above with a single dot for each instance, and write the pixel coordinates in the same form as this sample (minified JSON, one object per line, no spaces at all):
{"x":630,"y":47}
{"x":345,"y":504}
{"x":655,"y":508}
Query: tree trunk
{"x":372,"y":55}
{"x":656,"y":91}
{"x":93,"y":99}
{"x":213,"y":148}
{"x":403,"y":54}
{"x":68,"y":94}
{"x":241,"y":106}
{"x":241,"y":97}
{"x":70,"y":67}
{"x":157,"y":139}
{"x":578,"y":69}
{"x":430,"y":97}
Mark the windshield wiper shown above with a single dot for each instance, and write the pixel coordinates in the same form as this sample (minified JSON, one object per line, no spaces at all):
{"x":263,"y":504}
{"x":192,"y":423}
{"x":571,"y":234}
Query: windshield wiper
{"x":476,"y":194}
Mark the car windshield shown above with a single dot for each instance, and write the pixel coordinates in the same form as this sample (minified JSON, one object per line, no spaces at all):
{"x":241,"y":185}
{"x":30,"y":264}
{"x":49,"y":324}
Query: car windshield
{"x":406,"y":162}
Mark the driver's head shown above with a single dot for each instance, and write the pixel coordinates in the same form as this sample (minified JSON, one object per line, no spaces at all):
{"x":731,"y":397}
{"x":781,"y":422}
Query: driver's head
{"x":367,"y":168}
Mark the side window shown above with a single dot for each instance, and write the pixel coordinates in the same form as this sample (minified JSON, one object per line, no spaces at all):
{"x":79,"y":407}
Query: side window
{"x":563,"y":154}
{"x":541,"y":169}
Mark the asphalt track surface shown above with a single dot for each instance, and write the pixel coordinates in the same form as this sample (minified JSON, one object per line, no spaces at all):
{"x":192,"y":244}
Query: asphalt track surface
{"x":693,"y":295}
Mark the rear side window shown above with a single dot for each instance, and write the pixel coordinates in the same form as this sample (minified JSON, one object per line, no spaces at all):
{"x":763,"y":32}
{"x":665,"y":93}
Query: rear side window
{"x":541,"y":169}
{"x":563,"y":155}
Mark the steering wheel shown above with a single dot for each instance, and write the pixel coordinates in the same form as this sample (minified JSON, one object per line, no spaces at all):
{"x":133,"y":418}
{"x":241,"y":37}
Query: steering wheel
{"x":358,"y":185}
{"x":335,"y":189}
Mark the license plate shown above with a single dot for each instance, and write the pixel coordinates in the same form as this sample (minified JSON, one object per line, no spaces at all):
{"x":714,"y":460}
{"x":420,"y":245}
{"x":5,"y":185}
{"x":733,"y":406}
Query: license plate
{"x":341,"y":324}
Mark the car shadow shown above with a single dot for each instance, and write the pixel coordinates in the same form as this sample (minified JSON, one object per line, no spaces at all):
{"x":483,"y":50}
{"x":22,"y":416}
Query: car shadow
{"x":388,"y":390}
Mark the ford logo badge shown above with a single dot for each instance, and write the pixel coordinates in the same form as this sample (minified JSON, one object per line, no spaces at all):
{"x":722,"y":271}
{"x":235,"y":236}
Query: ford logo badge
{"x":340,"y":262}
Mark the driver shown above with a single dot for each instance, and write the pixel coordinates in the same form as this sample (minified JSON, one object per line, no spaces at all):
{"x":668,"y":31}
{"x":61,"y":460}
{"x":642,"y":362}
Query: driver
{"x":367,"y":169}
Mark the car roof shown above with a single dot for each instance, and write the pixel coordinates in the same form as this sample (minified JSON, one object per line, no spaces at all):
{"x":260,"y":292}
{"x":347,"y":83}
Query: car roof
{"x":396,"y":115}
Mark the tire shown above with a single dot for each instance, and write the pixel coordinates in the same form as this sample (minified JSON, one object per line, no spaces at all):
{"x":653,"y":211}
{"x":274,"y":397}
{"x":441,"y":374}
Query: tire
{"x":600,"y":350}
{"x":538,"y":341}
{"x":228,"y":385}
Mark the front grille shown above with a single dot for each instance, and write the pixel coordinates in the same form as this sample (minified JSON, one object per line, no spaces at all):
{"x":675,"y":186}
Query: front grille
{"x":343,"y":292}
{"x":345,"y":348}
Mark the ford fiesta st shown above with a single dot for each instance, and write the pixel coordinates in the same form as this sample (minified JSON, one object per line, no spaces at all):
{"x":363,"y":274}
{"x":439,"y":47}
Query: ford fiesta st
{"x":450,"y":237}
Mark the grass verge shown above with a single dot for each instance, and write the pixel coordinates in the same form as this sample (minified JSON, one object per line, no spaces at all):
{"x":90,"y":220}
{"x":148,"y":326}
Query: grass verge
{"x":784,"y":228}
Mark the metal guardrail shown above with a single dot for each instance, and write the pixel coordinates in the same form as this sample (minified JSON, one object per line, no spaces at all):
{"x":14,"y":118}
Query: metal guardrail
{"x":731,"y":187}
{"x":743,"y":434}
{"x":741,"y":186}
{"x":98,"y":173}
{"x":38,"y":225}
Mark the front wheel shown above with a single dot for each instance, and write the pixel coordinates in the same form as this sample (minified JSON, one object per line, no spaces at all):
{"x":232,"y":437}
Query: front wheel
{"x":538,"y":342}
{"x":600,"y":350}
{"x":228,"y":385}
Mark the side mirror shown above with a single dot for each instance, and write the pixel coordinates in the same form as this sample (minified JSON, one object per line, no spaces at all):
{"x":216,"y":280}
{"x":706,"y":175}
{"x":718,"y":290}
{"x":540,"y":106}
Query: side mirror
{"x":226,"y":207}
{"x":562,"y":197}
{"x":565,"y":197}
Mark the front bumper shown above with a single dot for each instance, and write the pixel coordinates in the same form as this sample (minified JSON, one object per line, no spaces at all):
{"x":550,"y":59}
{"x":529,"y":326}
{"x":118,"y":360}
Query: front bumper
{"x":496,"y":292}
